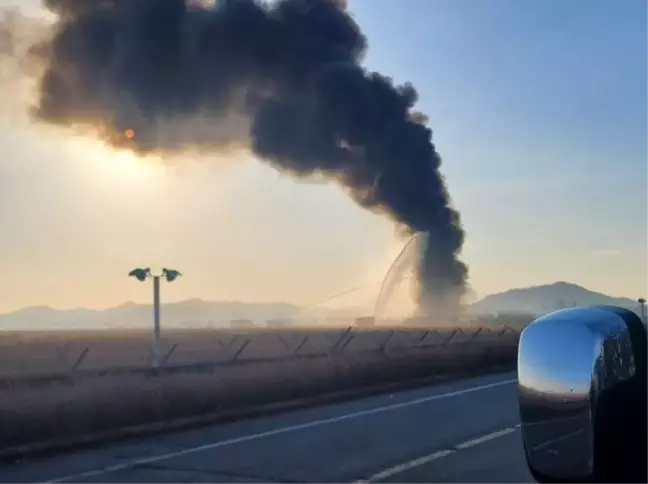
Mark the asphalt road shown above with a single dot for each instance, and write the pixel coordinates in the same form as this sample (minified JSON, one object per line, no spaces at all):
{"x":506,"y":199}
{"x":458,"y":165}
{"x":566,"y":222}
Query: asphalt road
{"x":462,"y":431}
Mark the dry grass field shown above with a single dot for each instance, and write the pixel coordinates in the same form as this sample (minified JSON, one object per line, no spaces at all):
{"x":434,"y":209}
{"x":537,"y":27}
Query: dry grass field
{"x":213,"y":372}
{"x":23,"y":354}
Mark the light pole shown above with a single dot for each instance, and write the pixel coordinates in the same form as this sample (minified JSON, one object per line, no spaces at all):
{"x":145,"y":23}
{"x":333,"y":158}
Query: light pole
{"x":642,"y":304}
{"x":141,"y":274}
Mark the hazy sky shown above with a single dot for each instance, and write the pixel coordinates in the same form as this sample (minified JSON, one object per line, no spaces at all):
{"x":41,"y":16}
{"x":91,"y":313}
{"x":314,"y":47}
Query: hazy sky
{"x":538,"y":109}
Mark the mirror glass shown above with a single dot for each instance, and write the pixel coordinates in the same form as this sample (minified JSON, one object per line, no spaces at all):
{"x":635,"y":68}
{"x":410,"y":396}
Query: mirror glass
{"x":565,"y":361}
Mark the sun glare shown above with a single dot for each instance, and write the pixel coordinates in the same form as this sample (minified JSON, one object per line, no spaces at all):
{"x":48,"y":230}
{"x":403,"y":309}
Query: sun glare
{"x":129,"y":165}
{"x":123,"y":165}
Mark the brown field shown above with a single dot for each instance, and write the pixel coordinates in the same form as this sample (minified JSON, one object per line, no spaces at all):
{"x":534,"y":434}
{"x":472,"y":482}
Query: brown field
{"x":306,"y":363}
{"x":34,"y":353}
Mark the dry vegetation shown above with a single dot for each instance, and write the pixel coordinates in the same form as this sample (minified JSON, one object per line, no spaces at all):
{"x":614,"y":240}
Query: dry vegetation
{"x":87,"y":405}
{"x":61,"y":352}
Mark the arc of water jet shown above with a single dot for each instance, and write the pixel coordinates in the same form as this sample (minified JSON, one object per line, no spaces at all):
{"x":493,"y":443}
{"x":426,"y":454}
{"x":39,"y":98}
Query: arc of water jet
{"x":386,"y":284}
{"x":352,"y":290}
{"x":389,"y":282}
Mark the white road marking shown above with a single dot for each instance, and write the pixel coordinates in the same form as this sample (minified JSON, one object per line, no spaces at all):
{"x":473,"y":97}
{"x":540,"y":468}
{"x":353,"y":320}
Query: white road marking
{"x":278,"y":431}
{"x":407,"y":466}
{"x":484,"y":438}
{"x":433,"y":456}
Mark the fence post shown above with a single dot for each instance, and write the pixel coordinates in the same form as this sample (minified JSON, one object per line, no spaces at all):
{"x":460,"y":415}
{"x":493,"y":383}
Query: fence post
{"x":299,"y":346}
{"x":505,"y":329}
{"x":349,"y":339}
{"x":337,"y":343}
{"x":383,"y":345}
{"x":80,"y":358}
{"x":228,"y":346}
{"x":449,"y":338}
{"x":240,"y":350}
{"x":286,"y":345}
{"x":168,"y":355}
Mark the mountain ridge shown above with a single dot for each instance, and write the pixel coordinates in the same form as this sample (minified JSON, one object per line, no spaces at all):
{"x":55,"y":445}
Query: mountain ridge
{"x":195,"y":312}
{"x":544,"y":298}
{"x":188,"y":313}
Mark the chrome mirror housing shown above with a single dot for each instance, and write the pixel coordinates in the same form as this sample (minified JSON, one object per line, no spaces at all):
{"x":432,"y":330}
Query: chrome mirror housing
{"x":582,"y":395}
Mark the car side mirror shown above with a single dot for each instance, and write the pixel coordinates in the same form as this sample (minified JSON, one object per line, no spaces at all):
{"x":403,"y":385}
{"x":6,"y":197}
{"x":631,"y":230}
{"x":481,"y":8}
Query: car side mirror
{"x":582,"y":390}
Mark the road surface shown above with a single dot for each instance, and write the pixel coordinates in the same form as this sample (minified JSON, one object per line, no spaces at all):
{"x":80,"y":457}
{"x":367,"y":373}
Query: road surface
{"x":462,"y":431}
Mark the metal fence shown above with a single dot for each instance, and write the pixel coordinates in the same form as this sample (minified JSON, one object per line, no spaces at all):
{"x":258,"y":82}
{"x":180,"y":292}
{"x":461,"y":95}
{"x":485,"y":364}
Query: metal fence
{"x":45,"y":361}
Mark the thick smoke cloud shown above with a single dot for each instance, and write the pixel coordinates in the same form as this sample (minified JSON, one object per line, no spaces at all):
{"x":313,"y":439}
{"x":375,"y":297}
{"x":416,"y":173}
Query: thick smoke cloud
{"x":282,"y":79}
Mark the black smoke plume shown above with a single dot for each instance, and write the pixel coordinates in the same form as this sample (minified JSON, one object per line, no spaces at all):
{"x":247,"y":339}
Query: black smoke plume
{"x":283,"y":79}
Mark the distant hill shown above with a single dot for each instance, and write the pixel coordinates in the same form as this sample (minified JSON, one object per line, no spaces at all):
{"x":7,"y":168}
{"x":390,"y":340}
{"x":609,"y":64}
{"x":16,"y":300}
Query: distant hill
{"x":191,"y":313}
{"x":546,"y":298}
{"x":196,"y":313}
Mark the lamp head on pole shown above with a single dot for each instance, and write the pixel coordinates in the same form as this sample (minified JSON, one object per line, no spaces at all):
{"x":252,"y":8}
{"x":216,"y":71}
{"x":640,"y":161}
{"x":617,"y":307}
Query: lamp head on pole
{"x":140,"y":273}
{"x":170,"y":274}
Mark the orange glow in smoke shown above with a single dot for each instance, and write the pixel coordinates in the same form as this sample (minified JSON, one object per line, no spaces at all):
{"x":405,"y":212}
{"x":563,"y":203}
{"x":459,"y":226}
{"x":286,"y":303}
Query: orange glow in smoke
{"x":129,"y":133}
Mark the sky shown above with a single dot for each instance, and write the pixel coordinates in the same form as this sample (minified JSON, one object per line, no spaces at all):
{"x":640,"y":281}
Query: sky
{"x":538,"y":110}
